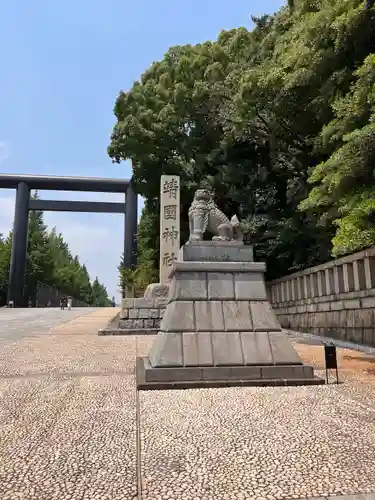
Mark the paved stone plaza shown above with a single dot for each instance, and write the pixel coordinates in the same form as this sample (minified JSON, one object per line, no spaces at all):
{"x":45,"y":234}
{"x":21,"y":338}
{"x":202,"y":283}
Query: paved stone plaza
{"x":68,"y":423}
{"x":16,"y":324}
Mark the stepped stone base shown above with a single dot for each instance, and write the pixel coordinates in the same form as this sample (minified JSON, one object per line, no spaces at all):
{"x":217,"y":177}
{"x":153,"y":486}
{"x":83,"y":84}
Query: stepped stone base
{"x":222,"y":349}
{"x":150,"y":378}
{"x":215,"y":359}
{"x":219,"y":328}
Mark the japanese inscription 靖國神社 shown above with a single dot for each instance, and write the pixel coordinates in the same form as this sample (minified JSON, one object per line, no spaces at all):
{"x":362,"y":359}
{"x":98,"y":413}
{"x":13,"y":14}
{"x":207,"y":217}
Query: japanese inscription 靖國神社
{"x":169,"y":223}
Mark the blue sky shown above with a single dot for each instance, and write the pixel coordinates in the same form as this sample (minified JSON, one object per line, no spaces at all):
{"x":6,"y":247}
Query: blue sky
{"x":64,"y":64}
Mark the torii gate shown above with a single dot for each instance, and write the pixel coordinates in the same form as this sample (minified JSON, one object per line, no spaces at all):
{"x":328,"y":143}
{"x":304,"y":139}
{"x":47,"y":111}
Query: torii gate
{"x":25,"y":183}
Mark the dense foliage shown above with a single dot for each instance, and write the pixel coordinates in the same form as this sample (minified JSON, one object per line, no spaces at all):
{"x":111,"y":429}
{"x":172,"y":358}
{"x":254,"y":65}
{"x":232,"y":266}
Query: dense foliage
{"x":278,"y":121}
{"x":49,"y":261}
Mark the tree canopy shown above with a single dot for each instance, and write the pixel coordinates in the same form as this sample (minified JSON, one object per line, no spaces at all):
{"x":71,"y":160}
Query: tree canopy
{"x":50,"y":262}
{"x":278,"y":121}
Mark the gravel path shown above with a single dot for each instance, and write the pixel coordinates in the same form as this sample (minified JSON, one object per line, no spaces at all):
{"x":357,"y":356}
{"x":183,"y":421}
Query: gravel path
{"x":68,"y":408}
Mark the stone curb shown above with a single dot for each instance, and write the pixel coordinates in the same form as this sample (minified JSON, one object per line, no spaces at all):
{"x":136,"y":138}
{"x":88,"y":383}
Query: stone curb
{"x":354,"y":496}
{"x":339,"y":343}
{"x":123,"y":332}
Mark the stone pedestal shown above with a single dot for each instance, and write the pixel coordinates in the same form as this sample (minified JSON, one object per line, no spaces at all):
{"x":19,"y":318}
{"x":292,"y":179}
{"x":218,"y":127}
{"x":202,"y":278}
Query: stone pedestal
{"x":218,"y":328}
{"x":211,"y":251}
{"x":157,"y":291}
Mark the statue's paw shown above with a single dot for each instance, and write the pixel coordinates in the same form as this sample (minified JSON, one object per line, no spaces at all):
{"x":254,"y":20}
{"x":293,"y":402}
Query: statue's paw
{"x":195,"y":237}
{"x":220,"y":238}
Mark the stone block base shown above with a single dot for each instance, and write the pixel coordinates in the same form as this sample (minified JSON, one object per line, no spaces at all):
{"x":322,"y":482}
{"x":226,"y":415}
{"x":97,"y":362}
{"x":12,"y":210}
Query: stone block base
{"x":141,"y":314}
{"x":140,"y":324}
{"x":149,"y":378}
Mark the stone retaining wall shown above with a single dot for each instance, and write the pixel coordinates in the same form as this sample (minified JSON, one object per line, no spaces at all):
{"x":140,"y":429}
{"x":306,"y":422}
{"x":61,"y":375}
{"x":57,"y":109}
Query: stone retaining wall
{"x":139,"y":314}
{"x":336,"y":299}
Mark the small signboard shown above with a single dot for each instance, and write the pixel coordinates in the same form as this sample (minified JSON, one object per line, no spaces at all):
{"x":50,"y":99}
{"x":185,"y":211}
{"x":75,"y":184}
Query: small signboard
{"x":330,"y":357}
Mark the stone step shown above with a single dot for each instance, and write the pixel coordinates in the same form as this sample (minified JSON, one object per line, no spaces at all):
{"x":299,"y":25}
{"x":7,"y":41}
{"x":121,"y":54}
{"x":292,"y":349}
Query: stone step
{"x":149,"y":378}
{"x":131,"y":331}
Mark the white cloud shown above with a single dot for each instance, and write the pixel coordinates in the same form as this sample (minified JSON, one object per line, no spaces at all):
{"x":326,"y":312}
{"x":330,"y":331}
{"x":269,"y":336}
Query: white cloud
{"x":4,"y":151}
{"x":6,"y":212}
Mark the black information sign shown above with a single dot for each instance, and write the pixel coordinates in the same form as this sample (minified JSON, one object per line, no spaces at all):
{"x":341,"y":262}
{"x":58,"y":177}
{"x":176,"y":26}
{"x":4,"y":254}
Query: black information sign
{"x":330,"y":357}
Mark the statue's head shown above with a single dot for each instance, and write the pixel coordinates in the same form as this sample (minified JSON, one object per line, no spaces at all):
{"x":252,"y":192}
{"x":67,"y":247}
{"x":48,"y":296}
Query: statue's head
{"x":203,"y":195}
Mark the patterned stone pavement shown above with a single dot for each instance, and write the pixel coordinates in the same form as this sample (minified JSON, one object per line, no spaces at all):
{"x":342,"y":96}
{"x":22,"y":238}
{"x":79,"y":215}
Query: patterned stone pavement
{"x":19,"y":323}
{"x":68,"y":414}
{"x":264,"y":443}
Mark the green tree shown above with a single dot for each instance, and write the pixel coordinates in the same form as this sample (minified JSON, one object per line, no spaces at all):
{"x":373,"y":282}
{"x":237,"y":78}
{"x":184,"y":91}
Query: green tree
{"x":63,"y":273}
{"x":311,"y":58}
{"x":148,"y":245}
{"x":344,"y":185}
{"x":99,"y":295}
{"x":5,"y":252}
{"x":244,"y":116}
{"x":40,"y":263}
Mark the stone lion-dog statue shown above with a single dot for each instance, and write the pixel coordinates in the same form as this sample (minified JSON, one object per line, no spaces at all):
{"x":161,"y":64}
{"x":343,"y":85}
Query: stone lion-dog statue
{"x":204,"y":216}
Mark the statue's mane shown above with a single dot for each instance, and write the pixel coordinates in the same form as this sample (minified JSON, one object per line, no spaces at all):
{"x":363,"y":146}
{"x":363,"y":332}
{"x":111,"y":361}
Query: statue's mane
{"x":210,"y":204}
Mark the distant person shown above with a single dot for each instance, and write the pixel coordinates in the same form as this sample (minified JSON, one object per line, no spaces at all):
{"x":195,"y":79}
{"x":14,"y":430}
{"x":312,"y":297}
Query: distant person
{"x":69,"y":302}
{"x":49,"y":303}
{"x":62,"y":303}
{"x":29,"y":302}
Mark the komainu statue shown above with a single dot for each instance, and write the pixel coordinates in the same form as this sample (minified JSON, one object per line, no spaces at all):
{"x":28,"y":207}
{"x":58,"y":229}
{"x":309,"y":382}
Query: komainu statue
{"x":204,"y":216}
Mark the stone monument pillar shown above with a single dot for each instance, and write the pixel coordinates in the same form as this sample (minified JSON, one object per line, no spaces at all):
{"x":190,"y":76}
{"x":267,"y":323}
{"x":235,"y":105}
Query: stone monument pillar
{"x":219,"y":328}
{"x":169,"y":224}
{"x":169,"y":234}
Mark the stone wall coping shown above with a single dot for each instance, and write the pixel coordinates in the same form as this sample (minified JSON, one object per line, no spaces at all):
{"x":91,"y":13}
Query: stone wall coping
{"x":230,"y":267}
{"x":370,"y":252}
{"x":358,"y":294}
{"x":337,"y":305}
{"x":339,"y":343}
